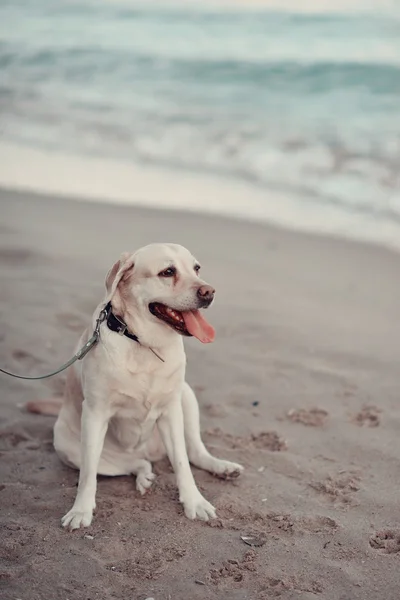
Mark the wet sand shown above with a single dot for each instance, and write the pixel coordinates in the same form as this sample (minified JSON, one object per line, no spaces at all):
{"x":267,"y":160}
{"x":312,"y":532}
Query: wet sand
{"x":301,"y":386}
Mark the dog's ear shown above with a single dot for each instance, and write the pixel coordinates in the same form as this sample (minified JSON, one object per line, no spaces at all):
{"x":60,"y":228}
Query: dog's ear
{"x":111,"y":275}
{"x":120,"y":269}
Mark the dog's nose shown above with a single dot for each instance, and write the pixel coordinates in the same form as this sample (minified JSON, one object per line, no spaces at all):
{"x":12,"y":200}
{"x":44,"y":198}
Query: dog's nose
{"x":206,"y":292}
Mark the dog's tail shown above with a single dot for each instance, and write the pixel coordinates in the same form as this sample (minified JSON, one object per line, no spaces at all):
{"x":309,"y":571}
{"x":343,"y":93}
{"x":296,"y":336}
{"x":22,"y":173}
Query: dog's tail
{"x":45,"y":407}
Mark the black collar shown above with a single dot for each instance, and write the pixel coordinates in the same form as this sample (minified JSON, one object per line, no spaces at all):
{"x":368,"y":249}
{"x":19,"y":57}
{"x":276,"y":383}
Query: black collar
{"x":118,"y":325}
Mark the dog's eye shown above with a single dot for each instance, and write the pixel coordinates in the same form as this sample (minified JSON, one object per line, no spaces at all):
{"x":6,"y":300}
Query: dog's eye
{"x":197,"y":268}
{"x":170,"y":272}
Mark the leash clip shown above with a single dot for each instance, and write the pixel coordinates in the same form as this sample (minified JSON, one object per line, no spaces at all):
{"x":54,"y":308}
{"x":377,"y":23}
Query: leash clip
{"x":95,"y":337}
{"x":100,"y":319}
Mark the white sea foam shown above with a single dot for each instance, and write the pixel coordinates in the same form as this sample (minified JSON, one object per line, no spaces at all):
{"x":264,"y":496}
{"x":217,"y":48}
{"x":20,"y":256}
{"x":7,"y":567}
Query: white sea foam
{"x":119,"y":182}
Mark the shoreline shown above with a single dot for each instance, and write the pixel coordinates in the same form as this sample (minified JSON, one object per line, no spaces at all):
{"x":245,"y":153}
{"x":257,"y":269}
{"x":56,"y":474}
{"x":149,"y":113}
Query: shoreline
{"x":118,"y":182}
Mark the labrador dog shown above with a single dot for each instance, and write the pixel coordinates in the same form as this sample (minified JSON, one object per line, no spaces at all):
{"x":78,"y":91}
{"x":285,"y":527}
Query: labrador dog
{"x":127,"y":404}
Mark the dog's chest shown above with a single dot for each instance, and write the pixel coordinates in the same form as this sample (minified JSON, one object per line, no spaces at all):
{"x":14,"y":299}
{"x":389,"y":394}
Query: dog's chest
{"x":137,"y":404}
{"x":136,"y":394}
{"x":129,"y":431}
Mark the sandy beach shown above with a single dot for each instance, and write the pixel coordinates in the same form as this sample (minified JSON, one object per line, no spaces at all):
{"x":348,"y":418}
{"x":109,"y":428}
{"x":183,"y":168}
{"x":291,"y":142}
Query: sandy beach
{"x":301,"y":386}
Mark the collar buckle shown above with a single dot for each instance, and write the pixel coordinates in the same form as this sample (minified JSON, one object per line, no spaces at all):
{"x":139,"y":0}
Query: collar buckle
{"x":122,"y":329}
{"x":121,"y":326}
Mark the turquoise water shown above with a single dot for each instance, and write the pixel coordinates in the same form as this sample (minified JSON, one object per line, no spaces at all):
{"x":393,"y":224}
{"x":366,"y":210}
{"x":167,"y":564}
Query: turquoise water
{"x":303,"y":104}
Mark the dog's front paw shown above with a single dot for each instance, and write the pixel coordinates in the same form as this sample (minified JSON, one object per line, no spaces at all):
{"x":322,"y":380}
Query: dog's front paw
{"x":76,"y":518}
{"x":227,"y":470}
{"x":197,"y":507}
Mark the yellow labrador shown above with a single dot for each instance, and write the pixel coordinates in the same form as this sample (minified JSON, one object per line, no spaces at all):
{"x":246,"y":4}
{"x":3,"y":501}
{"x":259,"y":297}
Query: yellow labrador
{"x":127,"y":403}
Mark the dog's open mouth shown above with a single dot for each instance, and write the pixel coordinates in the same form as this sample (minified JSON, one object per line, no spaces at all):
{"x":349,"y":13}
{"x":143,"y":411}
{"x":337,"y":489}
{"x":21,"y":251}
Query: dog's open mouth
{"x":188,"y":322}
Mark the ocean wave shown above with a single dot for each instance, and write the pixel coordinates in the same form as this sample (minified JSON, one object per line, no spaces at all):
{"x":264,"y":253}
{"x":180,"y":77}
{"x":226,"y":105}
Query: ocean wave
{"x":304,"y":105}
{"x":77,"y":64}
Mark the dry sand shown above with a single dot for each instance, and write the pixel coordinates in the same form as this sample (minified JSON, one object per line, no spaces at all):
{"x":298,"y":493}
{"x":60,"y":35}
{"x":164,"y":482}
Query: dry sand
{"x":301,"y":386}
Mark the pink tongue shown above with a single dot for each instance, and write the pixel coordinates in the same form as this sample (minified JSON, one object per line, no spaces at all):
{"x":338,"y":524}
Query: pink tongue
{"x":198,"y":326}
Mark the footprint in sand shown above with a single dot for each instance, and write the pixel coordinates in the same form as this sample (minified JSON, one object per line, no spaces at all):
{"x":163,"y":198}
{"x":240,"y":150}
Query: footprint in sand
{"x":313,"y":417}
{"x":17,"y":546}
{"x":273,"y":587}
{"x":30,"y":436}
{"x":368,"y":415}
{"x":25,"y":358}
{"x":340,"y":488}
{"x":265,"y":440}
{"x":15,"y":256}
{"x":270,"y":440}
{"x":234,"y":570}
{"x":10,"y":439}
{"x":317,"y":524}
{"x":216,"y":410}
{"x":387,"y":540}
{"x":148,"y":564}
{"x":249,"y":520}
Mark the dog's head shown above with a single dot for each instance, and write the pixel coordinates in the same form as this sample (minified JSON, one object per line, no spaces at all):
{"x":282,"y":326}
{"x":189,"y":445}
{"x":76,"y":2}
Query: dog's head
{"x":159,"y":286}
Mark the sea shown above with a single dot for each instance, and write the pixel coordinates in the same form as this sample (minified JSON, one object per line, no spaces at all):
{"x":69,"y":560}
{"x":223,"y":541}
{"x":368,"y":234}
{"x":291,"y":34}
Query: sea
{"x":296,"y":104}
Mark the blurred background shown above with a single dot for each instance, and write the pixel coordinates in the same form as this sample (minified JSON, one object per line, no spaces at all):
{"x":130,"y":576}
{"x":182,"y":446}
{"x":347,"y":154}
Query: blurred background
{"x":295,"y":103}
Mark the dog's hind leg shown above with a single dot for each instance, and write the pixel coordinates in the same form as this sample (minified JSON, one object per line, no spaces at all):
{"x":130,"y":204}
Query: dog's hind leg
{"x":198,"y":454}
{"x":144,"y":475}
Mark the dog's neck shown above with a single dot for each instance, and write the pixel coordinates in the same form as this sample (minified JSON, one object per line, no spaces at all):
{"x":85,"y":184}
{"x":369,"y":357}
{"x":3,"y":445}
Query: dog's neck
{"x":117,"y":324}
{"x":142,"y":330}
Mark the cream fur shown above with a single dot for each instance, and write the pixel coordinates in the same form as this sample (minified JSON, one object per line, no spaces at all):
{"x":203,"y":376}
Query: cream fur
{"x":124,"y":408}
